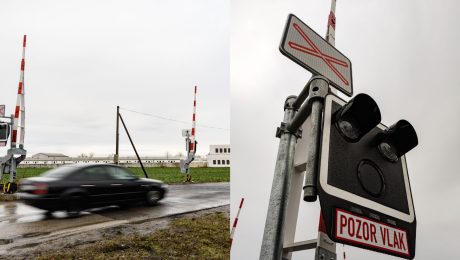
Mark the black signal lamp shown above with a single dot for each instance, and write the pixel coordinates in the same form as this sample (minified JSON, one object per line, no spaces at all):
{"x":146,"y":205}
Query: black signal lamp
{"x":360,"y":115}
{"x":397,"y":140}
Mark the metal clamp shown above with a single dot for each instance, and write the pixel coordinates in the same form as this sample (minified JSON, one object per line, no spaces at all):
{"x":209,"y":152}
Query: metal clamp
{"x":318,"y":88}
{"x":306,"y":92}
{"x":282,"y":129}
{"x":289,"y":104}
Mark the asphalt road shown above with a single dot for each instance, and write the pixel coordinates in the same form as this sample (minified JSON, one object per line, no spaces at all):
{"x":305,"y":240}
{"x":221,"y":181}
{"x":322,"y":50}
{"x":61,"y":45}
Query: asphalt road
{"x":22,"y":225}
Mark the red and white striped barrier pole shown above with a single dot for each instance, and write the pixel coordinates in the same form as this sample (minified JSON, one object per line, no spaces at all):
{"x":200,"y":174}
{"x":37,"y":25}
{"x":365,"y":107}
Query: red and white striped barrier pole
{"x":192,"y":137}
{"x":235,"y":222}
{"x":330,"y":36}
{"x":20,"y":106}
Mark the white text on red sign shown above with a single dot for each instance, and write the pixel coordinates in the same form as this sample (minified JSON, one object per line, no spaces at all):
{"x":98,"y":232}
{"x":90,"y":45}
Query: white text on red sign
{"x":369,"y":233}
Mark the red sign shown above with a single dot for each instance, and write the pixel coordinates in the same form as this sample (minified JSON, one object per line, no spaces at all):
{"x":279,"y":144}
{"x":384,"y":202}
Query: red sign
{"x":368,"y":233}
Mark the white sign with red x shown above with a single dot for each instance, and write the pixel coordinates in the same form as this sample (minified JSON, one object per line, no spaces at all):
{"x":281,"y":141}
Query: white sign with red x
{"x":304,"y":46}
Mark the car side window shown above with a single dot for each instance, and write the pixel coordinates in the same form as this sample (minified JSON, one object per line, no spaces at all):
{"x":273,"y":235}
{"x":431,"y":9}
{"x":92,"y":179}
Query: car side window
{"x":120,"y":174}
{"x":96,"y":174}
{"x":78,"y":176}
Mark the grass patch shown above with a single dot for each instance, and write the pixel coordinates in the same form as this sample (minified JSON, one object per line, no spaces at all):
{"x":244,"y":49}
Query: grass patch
{"x":204,"y":237}
{"x":8,"y":197}
{"x":173,"y":175}
{"x":169,"y":175}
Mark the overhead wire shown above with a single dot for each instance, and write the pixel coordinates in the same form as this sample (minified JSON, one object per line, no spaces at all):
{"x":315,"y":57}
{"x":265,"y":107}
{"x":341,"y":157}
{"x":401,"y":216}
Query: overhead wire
{"x":172,"y":119}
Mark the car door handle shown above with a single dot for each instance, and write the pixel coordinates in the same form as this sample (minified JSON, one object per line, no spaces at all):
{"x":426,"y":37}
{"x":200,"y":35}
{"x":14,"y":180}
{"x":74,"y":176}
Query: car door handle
{"x":116,"y":184}
{"x":87,"y":185}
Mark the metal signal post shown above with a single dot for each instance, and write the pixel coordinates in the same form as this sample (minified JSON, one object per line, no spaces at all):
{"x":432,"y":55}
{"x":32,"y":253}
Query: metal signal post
{"x":308,"y":119}
{"x":306,"y":168}
{"x":289,"y":132}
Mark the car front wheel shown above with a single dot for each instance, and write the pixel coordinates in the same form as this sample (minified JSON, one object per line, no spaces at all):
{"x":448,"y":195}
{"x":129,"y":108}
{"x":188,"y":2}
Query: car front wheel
{"x":153,"y":197}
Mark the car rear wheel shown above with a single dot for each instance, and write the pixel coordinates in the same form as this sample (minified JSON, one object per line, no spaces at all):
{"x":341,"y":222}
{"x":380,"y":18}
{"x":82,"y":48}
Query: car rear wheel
{"x":74,"y":206}
{"x":153,"y":197}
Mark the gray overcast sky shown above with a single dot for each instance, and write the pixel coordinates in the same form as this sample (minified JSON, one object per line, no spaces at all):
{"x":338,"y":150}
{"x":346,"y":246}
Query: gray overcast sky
{"x":404,"y":54}
{"x":86,"y":57}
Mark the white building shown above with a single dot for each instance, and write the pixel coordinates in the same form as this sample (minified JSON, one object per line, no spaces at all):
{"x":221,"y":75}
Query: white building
{"x":219,"y":156}
{"x":48,"y":160}
{"x":50,"y":155}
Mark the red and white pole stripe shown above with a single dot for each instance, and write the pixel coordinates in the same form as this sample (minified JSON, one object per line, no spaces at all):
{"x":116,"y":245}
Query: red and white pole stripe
{"x":20,"y":104}
{"x":330,"y":36}
{"x":192,"y":138}
{"x":235,"y":222}
{"x":322,"y":229}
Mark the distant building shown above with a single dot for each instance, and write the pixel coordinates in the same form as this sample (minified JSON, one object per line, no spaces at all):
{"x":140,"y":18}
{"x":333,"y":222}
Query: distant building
{"x":49,"y":156}
{"x":44,"y":161}
{"x":219,"y":156}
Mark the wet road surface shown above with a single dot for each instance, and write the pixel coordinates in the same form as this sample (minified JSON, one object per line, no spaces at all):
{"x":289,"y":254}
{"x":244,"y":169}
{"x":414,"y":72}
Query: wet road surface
{"x":22,"y":225}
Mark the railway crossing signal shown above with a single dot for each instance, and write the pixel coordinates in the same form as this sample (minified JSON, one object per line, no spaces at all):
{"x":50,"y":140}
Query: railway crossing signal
{"x":364,"y":187}
{"x":190,"y":144}
{"x":15,"y":155}
{"x":353,"y":162}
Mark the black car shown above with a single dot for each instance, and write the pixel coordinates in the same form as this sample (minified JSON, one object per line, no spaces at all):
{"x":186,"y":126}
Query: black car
{"x":81,"y":186}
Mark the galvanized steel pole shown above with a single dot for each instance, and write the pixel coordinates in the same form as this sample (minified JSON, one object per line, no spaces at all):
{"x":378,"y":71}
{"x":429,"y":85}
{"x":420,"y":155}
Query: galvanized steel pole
{"x":272,"y":243}
{"x":320,"y":87}
{"x":313,"y":140}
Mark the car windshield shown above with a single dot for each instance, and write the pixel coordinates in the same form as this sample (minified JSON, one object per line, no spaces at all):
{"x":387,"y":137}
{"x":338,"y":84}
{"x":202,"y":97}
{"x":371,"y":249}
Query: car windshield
{"x":58,"y":173}
{"x":121,"y":174}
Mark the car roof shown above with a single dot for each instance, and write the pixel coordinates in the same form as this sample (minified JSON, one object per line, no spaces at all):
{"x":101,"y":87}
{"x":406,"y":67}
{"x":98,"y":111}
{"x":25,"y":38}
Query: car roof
{"x":86,"y":165}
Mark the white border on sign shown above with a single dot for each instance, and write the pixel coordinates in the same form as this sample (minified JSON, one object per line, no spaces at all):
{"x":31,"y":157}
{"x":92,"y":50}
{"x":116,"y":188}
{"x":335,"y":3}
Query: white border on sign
{"x":336,"y":192}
